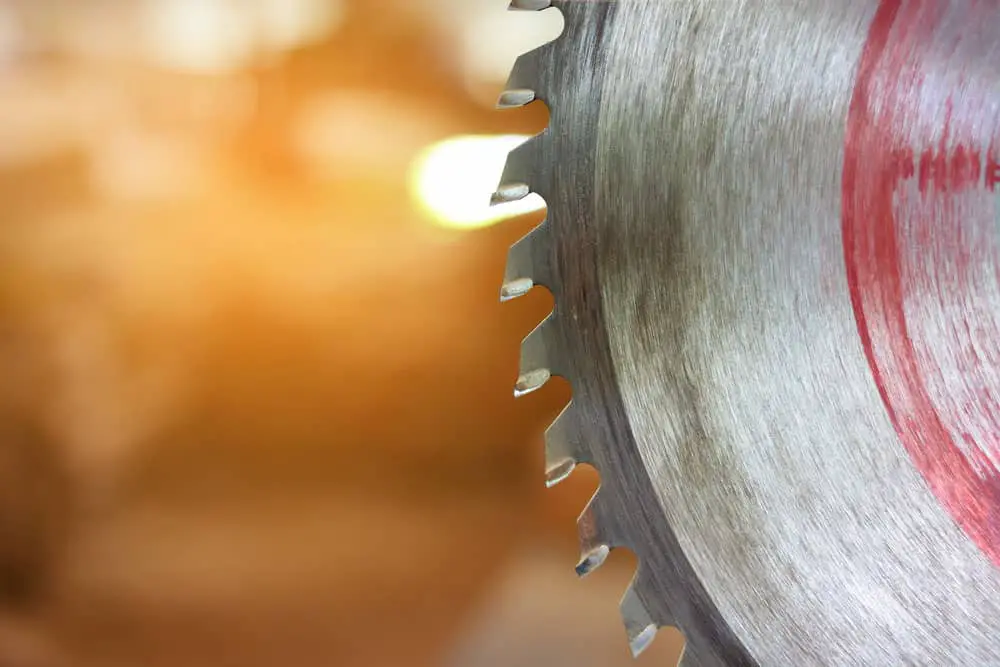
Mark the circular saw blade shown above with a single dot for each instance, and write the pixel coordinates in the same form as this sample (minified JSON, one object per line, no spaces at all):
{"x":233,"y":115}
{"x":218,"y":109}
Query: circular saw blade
{"x":774,"y":248}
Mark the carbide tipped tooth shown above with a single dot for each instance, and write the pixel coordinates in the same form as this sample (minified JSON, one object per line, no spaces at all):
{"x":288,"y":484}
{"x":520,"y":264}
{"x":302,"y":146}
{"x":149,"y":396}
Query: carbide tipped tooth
{"x":522,"y":174}
{"x":516,"y":288}
{"x":527,"y":71}
{"x":510,"y":192}
{"x":530,"y":5}
{"x":538,"y":365}
{"x":640,"y":642}
{"x":564,"y":448}
{"x":593,"y":560}
{"x":559,"y":471}
{"x":639,"y":625}
{"x":528,"y":264}
{"x":531,"y":381}
{"x":596,"y":542}
{"x":512,"y":99}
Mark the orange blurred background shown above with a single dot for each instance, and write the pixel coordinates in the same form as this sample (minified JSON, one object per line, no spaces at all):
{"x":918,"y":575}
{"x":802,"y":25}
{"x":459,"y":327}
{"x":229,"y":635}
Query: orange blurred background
{"x":256,"y":391}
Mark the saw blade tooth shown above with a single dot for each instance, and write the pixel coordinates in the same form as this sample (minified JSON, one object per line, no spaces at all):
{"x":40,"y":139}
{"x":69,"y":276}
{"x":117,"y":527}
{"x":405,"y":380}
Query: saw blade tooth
{"x":596,"y":538}
{"x":530,"y":5}
{"x":528,"y":264}
{"x":592,"y":560}
{"x":515,"y":98}
{"x":639,"y":624}
{"x":510,"y":192}
{"x":527,"y":73}
{"x":538,"y":359}
{"x":557,"y":472}
{"x":564,"y":446}
{"x":523,"y":174}
{"x":516,"y":288}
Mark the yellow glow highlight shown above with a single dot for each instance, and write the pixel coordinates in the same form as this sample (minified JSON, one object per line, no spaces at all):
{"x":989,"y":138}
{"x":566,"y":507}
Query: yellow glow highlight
{"x":453,"y":181}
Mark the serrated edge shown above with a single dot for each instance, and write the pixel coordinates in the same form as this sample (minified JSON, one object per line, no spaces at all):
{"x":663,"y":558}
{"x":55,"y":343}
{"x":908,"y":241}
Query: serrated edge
{"x":518,"y":180}
{"x":565,"y":446}
{"x":639,"y":625}
{"x":597,"y":536}
{"x":528,"y":266}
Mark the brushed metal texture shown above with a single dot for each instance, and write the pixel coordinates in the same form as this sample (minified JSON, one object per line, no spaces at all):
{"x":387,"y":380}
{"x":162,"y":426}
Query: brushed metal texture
{"x":568,"y":75}
{"x":711,"y":250}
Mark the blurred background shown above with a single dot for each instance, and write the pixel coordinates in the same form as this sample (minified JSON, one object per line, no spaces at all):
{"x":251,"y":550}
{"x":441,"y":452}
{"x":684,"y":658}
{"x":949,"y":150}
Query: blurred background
{"x":255,"y":382}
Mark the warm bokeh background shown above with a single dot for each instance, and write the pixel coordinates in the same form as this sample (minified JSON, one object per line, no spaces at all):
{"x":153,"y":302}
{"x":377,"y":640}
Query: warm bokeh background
{"x":255,"y":383}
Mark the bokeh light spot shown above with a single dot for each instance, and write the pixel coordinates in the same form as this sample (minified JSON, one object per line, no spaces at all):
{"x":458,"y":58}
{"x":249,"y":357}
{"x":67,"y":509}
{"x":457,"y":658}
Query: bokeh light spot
{"x":452,"y":181}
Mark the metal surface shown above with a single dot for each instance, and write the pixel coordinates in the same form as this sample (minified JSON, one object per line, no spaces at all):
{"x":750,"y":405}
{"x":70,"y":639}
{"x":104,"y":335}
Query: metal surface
{"x":773,"y":247}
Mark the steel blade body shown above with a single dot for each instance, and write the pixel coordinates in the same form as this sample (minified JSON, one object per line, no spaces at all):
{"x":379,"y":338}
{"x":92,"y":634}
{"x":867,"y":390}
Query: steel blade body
{"x":773,"y":246}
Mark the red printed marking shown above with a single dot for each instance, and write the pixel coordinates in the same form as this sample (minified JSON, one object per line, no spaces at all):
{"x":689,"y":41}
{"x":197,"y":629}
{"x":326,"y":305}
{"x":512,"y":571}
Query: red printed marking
{"x":922,"y":244}
{"x":993,"y":172}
